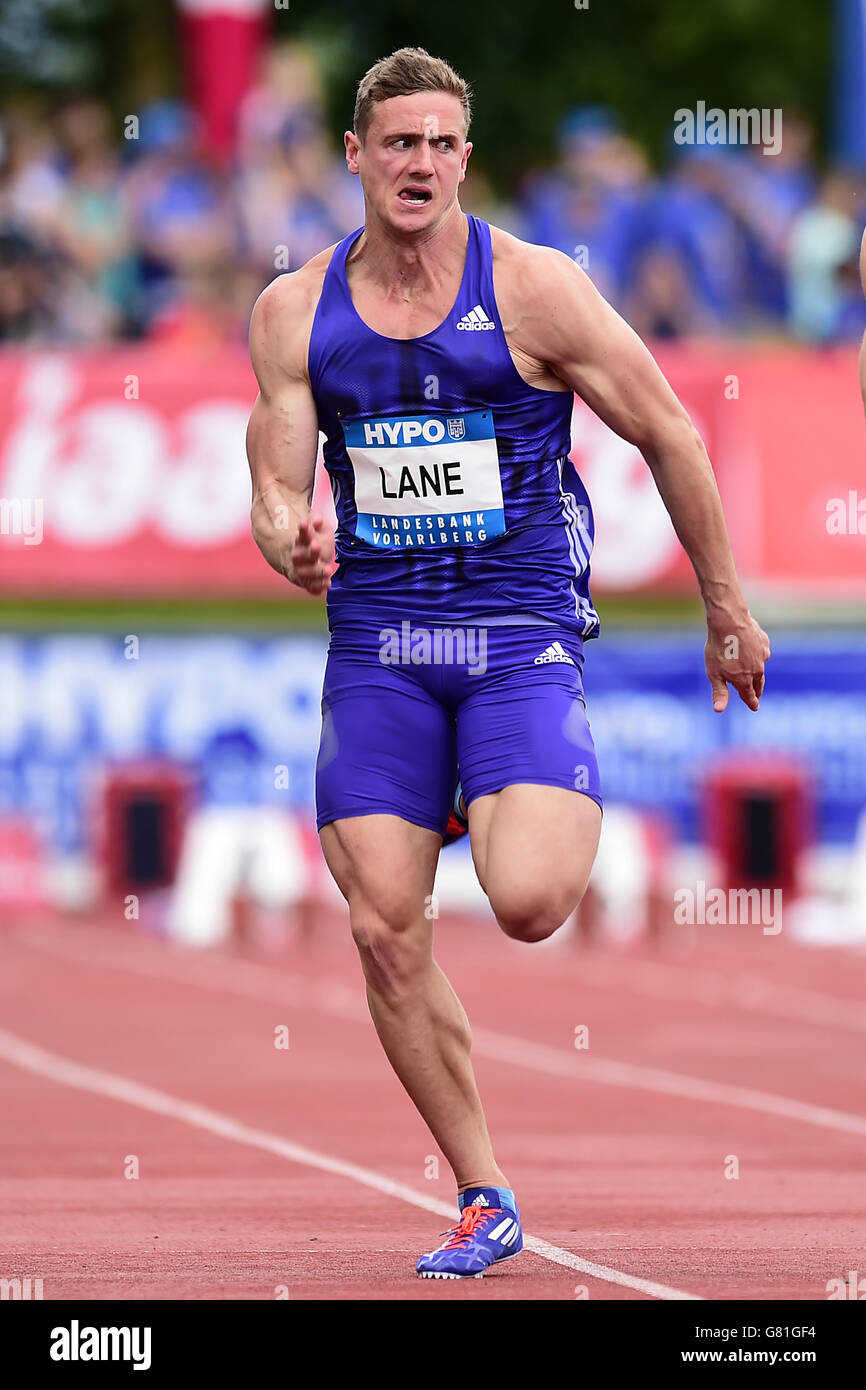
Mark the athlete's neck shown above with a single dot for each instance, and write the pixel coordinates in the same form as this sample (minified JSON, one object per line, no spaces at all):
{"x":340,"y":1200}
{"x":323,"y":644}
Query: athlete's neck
{"x":408,"y":267}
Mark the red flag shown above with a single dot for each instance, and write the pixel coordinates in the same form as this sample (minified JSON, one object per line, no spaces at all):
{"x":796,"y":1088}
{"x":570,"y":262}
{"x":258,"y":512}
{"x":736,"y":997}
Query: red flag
{"x":222,"y":40}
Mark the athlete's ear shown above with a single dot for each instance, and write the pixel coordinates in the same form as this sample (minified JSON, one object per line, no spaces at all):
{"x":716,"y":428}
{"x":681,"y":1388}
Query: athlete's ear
{"x":467,"y":150}
{"x":353,"y":145}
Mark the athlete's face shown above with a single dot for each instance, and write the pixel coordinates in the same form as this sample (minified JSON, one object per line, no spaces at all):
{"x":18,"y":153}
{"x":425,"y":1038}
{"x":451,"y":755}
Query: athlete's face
{"x":412,"y":160}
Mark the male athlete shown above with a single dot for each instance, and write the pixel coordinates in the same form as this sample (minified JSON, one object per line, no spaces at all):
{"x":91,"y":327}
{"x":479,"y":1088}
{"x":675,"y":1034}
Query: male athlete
{"x":439,"y":356}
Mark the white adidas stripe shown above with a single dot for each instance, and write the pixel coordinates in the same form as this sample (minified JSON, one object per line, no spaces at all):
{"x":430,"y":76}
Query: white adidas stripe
{"x":580,"y":548}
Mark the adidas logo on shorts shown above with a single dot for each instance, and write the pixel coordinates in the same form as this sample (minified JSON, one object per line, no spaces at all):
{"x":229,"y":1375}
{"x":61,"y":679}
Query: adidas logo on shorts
{"x":555,"y":652}
{"x":476,"y":319}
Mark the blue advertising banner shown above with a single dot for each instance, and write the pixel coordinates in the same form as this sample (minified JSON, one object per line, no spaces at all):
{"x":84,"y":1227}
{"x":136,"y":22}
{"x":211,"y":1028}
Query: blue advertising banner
{"x":656,"y":731}
{"x":243,"y":714}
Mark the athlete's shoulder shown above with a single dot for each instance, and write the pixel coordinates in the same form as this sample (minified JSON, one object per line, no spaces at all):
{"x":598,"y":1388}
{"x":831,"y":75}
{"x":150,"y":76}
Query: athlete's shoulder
{"x":291,"y":294}
{"x":530,"y":274}
{"x":542,"y":296}
{"x":282,"y":317}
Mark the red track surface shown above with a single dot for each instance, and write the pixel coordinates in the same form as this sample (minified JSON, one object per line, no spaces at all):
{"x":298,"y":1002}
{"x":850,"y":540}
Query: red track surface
{"x":610,"y":1164}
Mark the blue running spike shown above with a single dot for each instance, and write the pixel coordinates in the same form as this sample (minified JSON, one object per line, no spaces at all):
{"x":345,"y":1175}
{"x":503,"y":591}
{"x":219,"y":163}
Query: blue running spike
{"x":487,"y":1234}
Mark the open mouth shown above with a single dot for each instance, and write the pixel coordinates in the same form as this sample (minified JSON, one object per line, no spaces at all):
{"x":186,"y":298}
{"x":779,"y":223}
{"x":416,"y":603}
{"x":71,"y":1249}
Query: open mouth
{"x":415,"y":197}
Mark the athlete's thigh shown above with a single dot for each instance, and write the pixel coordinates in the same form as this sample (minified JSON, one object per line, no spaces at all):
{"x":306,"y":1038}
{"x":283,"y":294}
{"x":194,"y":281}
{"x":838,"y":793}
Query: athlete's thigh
{"x":385,"y":781}
{"x":523,"y":729}
{"x":388,"y":744}
{"x":534,"y":840}
{"x":384,"y":867}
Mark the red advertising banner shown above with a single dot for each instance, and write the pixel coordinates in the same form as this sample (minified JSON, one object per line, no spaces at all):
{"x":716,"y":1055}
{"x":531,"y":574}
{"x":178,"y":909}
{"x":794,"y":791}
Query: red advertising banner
{"x":123,"y":472}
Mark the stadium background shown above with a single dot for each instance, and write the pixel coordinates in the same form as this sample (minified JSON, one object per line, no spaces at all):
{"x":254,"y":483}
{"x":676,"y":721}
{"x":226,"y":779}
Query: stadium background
{"x":159,"y":168}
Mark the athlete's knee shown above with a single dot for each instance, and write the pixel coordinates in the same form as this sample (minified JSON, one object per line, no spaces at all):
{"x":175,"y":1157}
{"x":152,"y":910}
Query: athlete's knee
{"x":394,"y":952}
{"x":528,"y":914}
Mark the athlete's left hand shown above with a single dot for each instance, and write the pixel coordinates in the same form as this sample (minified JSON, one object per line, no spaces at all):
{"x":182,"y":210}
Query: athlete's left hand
{"x":736,"y":651}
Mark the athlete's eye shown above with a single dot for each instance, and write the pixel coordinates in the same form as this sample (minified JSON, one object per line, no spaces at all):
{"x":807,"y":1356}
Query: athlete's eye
{"x":448,"y":144}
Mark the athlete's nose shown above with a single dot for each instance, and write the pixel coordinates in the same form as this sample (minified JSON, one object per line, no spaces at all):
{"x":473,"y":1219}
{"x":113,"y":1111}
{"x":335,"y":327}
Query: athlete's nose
{"x":422,"y":158}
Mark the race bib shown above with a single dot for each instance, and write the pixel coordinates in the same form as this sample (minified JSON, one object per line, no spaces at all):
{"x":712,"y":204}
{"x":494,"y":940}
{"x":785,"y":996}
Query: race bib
{"x":426,"y":481}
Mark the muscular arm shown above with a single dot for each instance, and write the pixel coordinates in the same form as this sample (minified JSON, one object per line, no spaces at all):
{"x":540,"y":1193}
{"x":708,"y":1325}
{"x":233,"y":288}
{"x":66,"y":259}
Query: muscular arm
{"x":282,"y":436}
{"x":566,"y":323}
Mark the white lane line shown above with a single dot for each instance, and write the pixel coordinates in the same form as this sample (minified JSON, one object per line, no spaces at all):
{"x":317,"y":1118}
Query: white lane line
{"x":339,"y":1000}
{"x":120,"y":1088}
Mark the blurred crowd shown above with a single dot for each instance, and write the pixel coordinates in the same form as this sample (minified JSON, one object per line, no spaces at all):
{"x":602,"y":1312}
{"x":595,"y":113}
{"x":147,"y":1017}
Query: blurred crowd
{"x":114,"y":231}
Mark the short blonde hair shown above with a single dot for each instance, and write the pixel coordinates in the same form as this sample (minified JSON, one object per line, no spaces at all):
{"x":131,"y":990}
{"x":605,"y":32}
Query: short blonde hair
{"x":406,"y":71}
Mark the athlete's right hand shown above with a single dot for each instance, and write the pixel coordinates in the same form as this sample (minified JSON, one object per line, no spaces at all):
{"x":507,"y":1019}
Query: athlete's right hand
{"x":312,"y":561}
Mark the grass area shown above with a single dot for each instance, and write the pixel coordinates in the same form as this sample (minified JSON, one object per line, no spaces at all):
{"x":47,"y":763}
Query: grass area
{"x":257,"y":615}
{"x":291,"y":614}
{"x":135,"y":615}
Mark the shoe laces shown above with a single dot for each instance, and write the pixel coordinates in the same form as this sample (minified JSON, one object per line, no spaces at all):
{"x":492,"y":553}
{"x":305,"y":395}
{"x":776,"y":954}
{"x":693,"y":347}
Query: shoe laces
{"x":462,"y":1235}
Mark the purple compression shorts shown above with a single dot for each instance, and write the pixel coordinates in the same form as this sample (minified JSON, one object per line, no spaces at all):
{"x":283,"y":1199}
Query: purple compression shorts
{"x":403,"y":707}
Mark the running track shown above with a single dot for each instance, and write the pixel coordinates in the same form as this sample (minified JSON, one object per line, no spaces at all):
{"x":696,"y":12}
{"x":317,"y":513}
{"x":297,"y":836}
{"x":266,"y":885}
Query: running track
{"x":305,"y":1170}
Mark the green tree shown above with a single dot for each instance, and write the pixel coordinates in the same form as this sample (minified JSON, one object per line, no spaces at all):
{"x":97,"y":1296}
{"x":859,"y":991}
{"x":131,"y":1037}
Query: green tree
{"x":529,"y":63}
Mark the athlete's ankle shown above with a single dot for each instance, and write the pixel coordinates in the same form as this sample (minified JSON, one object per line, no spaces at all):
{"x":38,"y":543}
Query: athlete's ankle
{"x":499,"y":1180}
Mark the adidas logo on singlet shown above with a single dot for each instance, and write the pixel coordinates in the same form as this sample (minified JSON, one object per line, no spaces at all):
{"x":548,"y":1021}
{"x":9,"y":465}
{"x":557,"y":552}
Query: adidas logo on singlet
{"x":555,"y":652}
{"x":476,"y":319}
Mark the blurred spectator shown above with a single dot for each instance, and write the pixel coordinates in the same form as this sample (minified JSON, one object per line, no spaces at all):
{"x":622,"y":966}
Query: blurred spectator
{"x":591,"y":203}
{"x":825,"y":297}
{"x":31,"y":185}
{"x":288,"y":86}
{"x":202,"y":312}
{"x":662,"y":300}
{"x":180,"y":212}
{"x":766,"y":194}
{"x":296,"y":198}
{"x":92,"y":227}
{"x":30,"y":192}
{"x":102,"y":237}
{"x":24,"y":317}
{"x":691,"y":221}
